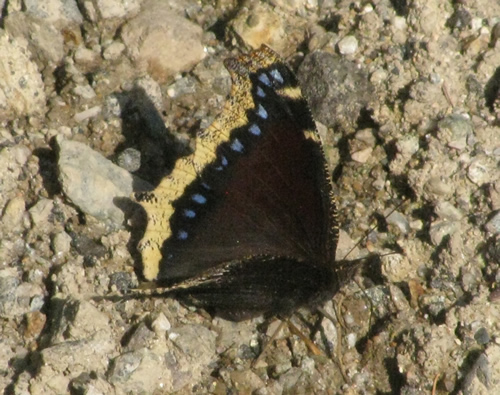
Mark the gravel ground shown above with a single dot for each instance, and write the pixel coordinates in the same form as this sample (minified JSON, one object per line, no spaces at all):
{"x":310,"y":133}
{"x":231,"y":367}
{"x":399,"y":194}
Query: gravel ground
{"x":99,"y":98}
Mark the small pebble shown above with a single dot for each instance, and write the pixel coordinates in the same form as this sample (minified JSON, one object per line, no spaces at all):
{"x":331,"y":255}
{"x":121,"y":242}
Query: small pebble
{"x":378,"y":76}
{"x":399,"y":22}
{"x":13,"y":214}
{"x":478,"y":172}
{"x":408,"y":145}
{"x":129,"y":159}
{"x":362,"y":155}
{"x":398,"y":219}
{"x":447,"y":211}
{"x":35,"y":322}
{"x":161,"y":324}
{"x":493,"y":225}
{"x":351,"y":340}
{"x":113,"y":51}
{"x":61,"y":243}
{"x":90,"y":113}
{"x":20,"y":153}
{"x":366,"y":136}
{"x":87,"y":57}
{"x":454,"y":130}
{"x":41,"y":211}
{"x":440,"y":229}
{"x":84,"y":91}
{"x":438,"y":186}
{"x":348,"y":45}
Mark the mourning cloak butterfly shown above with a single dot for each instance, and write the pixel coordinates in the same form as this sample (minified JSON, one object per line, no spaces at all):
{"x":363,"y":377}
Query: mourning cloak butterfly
{"x":246,"y":225}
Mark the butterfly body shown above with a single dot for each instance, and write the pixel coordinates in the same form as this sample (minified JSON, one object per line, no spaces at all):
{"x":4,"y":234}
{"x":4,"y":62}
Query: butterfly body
{"x":246,"y":224}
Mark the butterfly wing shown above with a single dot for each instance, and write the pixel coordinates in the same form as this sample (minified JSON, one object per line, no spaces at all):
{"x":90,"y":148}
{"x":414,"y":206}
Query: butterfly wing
{"x":256,"y":185}
{"x":242,"y":289}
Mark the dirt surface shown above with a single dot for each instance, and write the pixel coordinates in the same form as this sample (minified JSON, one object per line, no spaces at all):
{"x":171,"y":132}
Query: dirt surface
{"x":98,"y":100}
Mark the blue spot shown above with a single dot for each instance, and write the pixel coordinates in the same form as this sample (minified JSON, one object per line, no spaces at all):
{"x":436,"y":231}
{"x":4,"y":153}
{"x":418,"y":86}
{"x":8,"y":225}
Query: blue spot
{"x":237,"y":146}
{"x":182,"y":235}
{"x":261,"y":112}
{"x":260,"y":92}
{"x":277,"y":76}
{"x":189,"y":213}
{"x":224,"y":163}
{"x":255,"y":130}
{"x":264,"y":79}
{"x":206,"y":186}
{"x":198,"y":198}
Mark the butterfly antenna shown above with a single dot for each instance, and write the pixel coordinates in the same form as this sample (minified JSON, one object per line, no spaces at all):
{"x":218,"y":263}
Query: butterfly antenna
{"x":308,"y":342}
{"x":356,"y":245}
{"x":371,"y":229}
{"x":336,"y":358}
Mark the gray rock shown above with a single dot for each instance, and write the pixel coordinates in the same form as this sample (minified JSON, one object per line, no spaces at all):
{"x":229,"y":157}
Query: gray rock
{"x":129,"y":159}
{"x":84,"y":91}
{"x":141,"y":371}
{"x":149,"y":101}
{"x":59,"y":12}
{"x":482,"y":171}
{"x":115,"y":8}
{"x":12,"y":160}
{"x":41,"y":212}
{"x":155,"y":34}
{"x":61,"y":243}
{"x":348,"y":45}
{"x":21,"y":86}
{"x":336,"y":88}
{"x":440,"y":229}
{"x":12,"y":218}
{"x":141,"y":338}
{"x":44,"y":39}
{"x":93,"y":183}
{"x":482,"y":337}
{"x":87,"y":57}
{"x":493,"y":224}
{"x":194,"y":340}
{"x":62,"y":362}
{"x":75,"y":320}
{"x":86,"y":114}
{"x":9,"y":281}
{"x":16,"y":296}
{"x":113,"y":51}
{"x":454,"y":131}
{"x":439,"y":186}
{"x":161,"y":325}
{"x":447,"y":211}
{"x":478,"y":375}
{"x":258,"y":24}
{"x":398,"y":219}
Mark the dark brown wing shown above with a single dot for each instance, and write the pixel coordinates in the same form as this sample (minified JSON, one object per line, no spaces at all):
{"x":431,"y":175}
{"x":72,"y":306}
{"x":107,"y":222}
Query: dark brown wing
{"x":256,"y":185}
{"x":247,"y":288}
